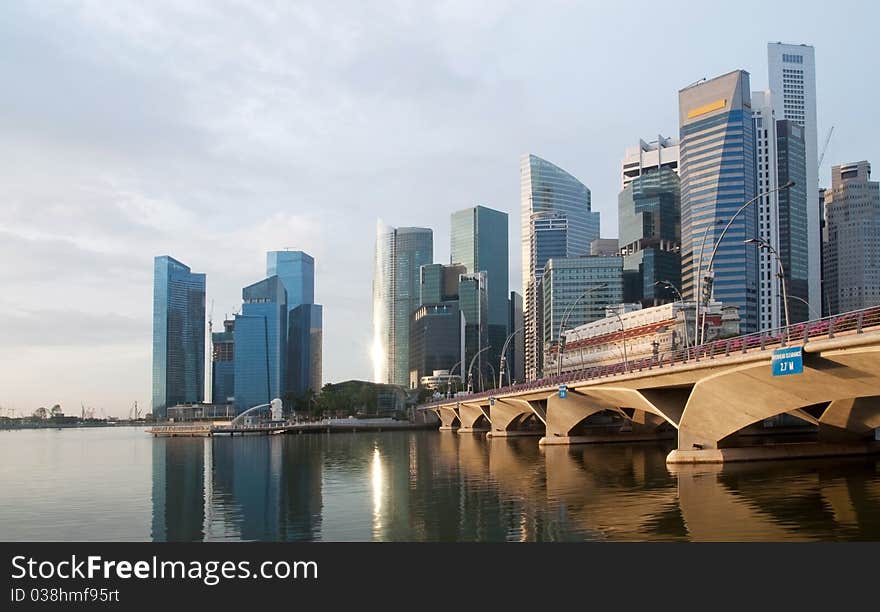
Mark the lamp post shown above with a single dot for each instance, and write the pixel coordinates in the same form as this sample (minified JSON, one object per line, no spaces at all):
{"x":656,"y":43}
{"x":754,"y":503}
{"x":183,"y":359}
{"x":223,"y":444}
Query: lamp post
{"x":763,"y":244}
{"x":623,"y":339}
{"x":449,"y":381}
{"x":564,"y":320}
{"x":710,"y":291}
{"x":670,"y":285}
{"x":812,"y":310}
{"x":502,"y":366}
{"x":471,"y":367}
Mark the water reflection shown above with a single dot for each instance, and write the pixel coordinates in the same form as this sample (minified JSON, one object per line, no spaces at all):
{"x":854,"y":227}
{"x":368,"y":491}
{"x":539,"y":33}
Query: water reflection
{"x":430,"y":486}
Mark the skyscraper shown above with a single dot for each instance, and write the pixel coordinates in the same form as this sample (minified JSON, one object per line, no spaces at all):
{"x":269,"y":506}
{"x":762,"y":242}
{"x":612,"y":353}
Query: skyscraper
{"x":717,"y":177}
{"x":479,"y":242}
{"x":576,"y":291}
{"x":792,"y":72}
{"x":223,"y":370}
{"x":304,"y":348}
{"x":473,"y":301}
{"x":649,"y":221}
{"x":400,"y":253}
{"x":516,"y":349}
{"x":178,"y":335}
{"x":260,"y":344}
{"x":660,"y":153}
{"x":852,"y":253}
{"x":549,"y":196}
{"x":782,"y":215}
{"x":794,"y":205}
{"x":296,"y":270}
{"x":439,"y":283}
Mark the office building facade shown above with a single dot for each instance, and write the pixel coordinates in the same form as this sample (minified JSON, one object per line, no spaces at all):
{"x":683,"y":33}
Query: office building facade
{"x":792,"y":76}
{"x":661,"y":153}
{"x":178,"y":335}
{"x":435,"y":340}
{"x":649,"y":223}
{"x":559,"y":204}
{"x":515,"y":371}
{"x":399,"y":255}
{"x":296,"y":269}
{"x":479,"y":242}
{"x":223,"y":364}
{"x":439,"y":283}
{"x":852,"y":252}
{"x":717,"y":177}
{"x":261,"y":344}
{"x":576,"y":291}
{"x":304,"y":352}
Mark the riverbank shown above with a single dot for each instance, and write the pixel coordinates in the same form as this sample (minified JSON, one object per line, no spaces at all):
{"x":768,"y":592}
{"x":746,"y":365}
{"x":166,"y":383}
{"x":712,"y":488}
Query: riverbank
{"x":350,"y":425}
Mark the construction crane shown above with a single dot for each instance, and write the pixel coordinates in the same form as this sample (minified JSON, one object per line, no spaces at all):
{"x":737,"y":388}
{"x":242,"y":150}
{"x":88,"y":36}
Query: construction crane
{"x":210,"y":385}
{"x":824,"y":149}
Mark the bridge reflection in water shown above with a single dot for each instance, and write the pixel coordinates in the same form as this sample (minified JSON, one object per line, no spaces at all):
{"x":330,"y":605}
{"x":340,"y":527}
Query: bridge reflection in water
{"x":429,"y":486}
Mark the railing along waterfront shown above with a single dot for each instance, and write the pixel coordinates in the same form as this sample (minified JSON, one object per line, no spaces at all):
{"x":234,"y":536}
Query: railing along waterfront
{"x":799,"y":333}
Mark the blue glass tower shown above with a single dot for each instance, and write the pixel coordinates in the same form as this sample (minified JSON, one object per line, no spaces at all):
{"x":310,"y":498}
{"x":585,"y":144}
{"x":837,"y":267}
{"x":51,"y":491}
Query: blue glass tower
{"x":305,"y":330}
{"x":717,"y":177}
{"x":178,"y":335}
{"x":296,"y":270}
{"x":260,"y":343}
{"x":479,"y":242}
{"x":547,"y":189}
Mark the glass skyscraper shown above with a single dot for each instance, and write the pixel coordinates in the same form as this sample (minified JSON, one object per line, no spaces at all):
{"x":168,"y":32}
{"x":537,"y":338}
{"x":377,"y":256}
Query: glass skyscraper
{"x":567,"y":279}
{"x":400,"y":253}
{"x":793,"y":217}
{"x":260,"y":344}
{"x":548,"y":189}
{"x":649,"y":217}
{"x":479,"y":242}
{"x":717,"y":177}
{"x":305,"y":332}
{"x":296,"y":270}
{"x":178,"y":335}
{"x":223,"y":370}
{"x":473,"y":300}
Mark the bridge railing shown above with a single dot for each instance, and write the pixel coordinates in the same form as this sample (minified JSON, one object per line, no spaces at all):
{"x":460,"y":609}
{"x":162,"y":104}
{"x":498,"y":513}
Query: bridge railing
{"x":798,"y":334}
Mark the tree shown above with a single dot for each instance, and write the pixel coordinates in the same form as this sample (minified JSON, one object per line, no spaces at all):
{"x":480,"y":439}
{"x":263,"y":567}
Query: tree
{"x":56,"y":411}
{"x":41,"y":413}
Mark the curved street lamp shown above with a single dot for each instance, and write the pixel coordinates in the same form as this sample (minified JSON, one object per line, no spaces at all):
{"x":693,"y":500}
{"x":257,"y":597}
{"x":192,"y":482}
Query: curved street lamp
{"x":711,"y":287}
{"x":623,"y":339}
{"x":670,"y":285}
{"x":564,"y":320}
{"x":471,"y":366}
{"x":502,"y":365}
{"x":812,"y":310}
{"x":763,"y":244}
{"x":449,"y":380}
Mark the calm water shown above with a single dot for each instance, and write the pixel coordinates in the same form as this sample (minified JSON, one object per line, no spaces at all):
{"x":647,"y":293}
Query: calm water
{"x":121,"y":484}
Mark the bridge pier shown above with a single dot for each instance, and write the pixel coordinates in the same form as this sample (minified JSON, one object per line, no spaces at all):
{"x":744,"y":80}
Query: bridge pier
{"x":473,"y":419}
{"x":511,"y":418}
{"x":725,"y":403}
{"x":449,"y":420}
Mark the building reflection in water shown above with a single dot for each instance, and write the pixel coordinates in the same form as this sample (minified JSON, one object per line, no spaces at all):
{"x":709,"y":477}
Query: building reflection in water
{"x":248,"y":488}
{"x":441,"y":486}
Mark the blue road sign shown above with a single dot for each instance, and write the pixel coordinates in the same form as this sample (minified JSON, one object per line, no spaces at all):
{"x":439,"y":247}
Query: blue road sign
{"x":788,"y":361}
{"x":563,"y":391}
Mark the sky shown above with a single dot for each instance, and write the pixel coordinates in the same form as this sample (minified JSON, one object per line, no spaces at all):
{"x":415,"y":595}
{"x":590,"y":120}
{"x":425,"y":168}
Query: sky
{"x":215,"y":131}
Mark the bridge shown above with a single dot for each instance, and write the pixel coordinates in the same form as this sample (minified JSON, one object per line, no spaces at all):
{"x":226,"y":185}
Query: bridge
{"x":708,"y":396}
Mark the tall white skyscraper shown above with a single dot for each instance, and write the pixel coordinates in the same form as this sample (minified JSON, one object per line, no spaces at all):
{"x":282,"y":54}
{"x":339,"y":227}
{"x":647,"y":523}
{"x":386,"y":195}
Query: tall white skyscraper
{"x":768,"y":210}
{"x":792,"y":75}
